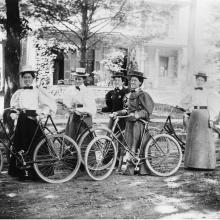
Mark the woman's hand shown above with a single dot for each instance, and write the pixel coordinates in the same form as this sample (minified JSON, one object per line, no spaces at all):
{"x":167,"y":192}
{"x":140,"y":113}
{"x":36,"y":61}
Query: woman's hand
{"x":14,"y":116}
{"x":113,"y":115}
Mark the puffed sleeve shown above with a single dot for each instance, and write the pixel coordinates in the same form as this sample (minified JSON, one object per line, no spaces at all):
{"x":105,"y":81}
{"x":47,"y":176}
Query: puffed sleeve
{"x":108,"y":102}
{"x":213,"y":105}
{"x":146,"y":105}
{"x":89,"y":105}
{"x":186,"y":99}
{"x":67,"y":97}
{"x":15,"y":99}
{"x":47,"y":101}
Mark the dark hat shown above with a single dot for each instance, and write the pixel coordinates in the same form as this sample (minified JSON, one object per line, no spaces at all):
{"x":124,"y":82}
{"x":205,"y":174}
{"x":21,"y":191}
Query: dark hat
{"x":27,"y":69}
{"x":80,"y":72}
{"x":137,"y":74}
{"x":118,"y":74}
{"x":201,"y":74}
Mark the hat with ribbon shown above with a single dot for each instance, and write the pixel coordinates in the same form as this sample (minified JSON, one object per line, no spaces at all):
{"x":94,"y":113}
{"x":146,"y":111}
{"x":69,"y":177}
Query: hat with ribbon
{"x":27,"y":69}
{"x":137,"y":74}
{"x":201,"y":74}
{"x":80,"y":72}
{"x":118,"y":74}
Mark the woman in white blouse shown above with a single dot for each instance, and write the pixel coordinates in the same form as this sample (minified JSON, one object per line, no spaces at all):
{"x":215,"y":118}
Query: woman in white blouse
{"x":200,"y":150}
{"x":32,"y":102}
{"x":80,"y":98}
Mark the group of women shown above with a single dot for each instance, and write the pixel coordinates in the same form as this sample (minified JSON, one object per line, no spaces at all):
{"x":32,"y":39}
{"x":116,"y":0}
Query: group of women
{"x":136,"y":103}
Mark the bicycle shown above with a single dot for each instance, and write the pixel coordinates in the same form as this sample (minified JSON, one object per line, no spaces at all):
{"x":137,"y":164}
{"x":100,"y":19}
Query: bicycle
{"x":89,"y":133}
{"x":161,"y":153}
{"x":56,"y":157}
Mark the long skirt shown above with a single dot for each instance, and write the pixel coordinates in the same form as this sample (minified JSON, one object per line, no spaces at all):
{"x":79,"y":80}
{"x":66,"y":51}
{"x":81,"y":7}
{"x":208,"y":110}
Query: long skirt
{"x":25,"y":130}
{"x":76,"y":125}
{"x":200,"y":149}
{"x":133,"y":133}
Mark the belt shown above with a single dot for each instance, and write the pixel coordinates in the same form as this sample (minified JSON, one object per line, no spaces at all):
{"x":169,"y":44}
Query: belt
{"x":79,"y":105}
{"x":31,"y":113}
{"x":200,"y":107}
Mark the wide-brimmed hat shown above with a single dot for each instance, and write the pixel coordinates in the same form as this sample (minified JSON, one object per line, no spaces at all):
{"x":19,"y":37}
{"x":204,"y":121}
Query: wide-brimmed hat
{"x":27,"y":69}
{"x":118,"y":74}
{"x":201,"y":74}
{"x":137,"y":74}
{"x":80,"y":72}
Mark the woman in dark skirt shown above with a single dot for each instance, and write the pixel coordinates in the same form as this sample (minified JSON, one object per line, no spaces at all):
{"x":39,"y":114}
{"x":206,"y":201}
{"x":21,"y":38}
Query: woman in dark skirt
{"x":80,"y":98}
{"x":32,"y":102}
{"x":140,"y":106}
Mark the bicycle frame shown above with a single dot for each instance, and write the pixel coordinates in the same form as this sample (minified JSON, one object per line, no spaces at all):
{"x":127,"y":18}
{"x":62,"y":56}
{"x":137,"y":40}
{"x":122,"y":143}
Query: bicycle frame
{"x":168,"y":127}
{"x":41,"y":126}
{"x":135,"y":156}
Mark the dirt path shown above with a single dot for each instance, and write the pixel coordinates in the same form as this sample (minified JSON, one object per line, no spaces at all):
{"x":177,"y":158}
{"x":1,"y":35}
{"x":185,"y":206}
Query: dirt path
{"x":186,"y":195}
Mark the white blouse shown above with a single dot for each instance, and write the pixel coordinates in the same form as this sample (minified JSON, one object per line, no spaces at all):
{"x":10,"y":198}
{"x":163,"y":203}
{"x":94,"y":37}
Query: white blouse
{"x":203,"y":97}
{"x":84,"y":96}
{"x":34,"y":99}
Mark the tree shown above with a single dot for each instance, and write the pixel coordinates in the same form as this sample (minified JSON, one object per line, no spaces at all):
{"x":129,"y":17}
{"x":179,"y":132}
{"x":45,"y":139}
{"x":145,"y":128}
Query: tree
{"x":15,"y":27}
{"x":82,"y":22}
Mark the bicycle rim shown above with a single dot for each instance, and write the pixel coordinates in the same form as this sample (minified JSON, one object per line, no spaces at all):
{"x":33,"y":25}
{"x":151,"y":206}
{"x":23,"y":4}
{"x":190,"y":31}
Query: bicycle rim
{"x":100,"y":157}
{"x":56,"y":158}
{"x":163,"y":155}
{"x":89,"y":136}
{"x":1,"y":161}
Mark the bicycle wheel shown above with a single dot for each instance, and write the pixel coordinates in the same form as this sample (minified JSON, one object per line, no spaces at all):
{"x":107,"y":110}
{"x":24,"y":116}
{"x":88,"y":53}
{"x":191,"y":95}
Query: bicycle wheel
{"x":100,"y":157}
{"x":56,"y":158}
{"x":1,"y":160}
{"x":163,"y":155}
{"x":88,"y":136}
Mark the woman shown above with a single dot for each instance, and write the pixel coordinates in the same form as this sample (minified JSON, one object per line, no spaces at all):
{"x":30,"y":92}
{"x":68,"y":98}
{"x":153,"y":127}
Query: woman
{"x":140,"y":106}
{"x":115,"y":99}
{"x":200,"y":150}
{"x":80,"y":98}
{"x":32,"y":102}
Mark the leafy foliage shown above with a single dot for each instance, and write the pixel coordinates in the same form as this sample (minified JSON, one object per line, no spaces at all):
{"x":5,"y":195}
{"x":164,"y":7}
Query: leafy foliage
{"x":113,"y":62}
{"x":46,"y":52}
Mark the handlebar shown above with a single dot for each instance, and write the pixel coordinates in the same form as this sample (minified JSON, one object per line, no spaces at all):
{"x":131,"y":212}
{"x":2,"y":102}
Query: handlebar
{"x":180,"y":108}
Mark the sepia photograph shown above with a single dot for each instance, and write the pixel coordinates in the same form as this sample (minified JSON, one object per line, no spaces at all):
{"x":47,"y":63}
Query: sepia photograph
{"x":109,"y":109}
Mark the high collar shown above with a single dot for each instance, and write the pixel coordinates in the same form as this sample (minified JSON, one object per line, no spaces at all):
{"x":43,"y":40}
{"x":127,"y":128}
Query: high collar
{"x":120,"y":88}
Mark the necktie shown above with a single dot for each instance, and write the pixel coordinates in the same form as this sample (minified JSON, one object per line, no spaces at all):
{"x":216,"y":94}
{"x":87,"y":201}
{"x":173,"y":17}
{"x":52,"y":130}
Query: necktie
{"x":198,"y":88}
{"x":28,"y":87}
{"x":77,"y":87}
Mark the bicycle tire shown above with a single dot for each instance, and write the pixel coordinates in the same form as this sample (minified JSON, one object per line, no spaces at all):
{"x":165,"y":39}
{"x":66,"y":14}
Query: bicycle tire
{"x":1,"y":161}
{"x":100,"y":157}
{"x":88,"y":136}
{"x":163,"y":155}
{"x":56,"y":158}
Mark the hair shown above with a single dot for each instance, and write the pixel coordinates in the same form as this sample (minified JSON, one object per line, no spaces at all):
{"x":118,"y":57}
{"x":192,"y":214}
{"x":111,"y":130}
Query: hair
{"x":205,"y":78}
{"x":31,"y":73}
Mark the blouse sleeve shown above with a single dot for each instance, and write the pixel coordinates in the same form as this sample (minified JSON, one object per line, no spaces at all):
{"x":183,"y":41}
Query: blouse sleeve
{"x":15,"y":99}
{"x":90,"y":104}
{"x":108,"y":102}
{"x":46,"y":101}
{"x":213,"y":105}
{"x":146,"y":106}
{"x":67,"y":98}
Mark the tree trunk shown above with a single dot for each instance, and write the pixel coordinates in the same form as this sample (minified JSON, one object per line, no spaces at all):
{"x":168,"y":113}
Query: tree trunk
{"x":84,"y":27}
{"x":12,"y":49}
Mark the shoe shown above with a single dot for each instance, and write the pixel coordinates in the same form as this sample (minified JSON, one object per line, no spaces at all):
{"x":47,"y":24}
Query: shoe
{"x":129,"y":171}
{"x":143,"y":170}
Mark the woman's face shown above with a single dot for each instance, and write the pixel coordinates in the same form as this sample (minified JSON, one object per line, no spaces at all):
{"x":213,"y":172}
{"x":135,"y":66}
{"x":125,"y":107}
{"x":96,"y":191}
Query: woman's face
{"x":28,"y":79}
{"x":78,"y":80}
{"x":135,"y":83}
{"x":200,"y":81}
{"x":118,"y":82}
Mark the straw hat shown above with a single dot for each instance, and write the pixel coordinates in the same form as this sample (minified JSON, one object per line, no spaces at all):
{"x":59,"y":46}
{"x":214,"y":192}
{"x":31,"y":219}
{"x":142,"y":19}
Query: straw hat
{"x":27,"y":69}
{"x":80,"y":72}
